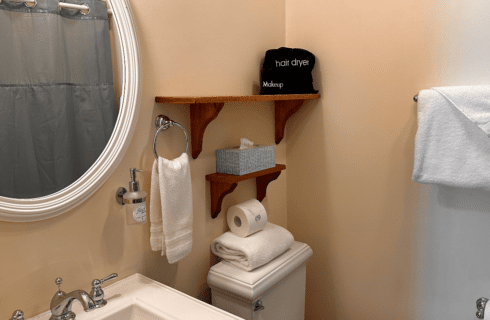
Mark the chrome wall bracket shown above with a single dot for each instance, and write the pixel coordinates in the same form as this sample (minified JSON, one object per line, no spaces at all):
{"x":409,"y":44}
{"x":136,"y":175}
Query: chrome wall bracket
{"x":480,"y":306}
{"x":17,"y":315}
{"x":119,"y":195}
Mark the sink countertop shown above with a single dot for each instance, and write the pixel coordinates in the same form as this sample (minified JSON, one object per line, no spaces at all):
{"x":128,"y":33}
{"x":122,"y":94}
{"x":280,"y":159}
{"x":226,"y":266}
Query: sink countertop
{"x":159,"y":298}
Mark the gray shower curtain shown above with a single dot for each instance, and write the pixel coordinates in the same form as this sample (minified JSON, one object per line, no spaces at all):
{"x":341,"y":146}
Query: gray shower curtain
{"x":57,"y":101}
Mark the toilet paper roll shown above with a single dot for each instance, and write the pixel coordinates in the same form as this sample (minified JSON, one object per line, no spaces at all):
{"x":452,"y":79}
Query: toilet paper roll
{"x":247,"y":218}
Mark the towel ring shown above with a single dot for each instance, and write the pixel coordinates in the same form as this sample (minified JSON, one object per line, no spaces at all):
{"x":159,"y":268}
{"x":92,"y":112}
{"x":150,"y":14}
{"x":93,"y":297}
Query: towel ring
{"x":163,"y":123}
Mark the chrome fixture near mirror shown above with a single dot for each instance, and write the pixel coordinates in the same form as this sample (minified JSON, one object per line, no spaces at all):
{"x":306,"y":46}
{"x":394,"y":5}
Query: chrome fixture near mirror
{"x":133,"y":200}
{"x":128,"y":60}
{"x":162,"y":123}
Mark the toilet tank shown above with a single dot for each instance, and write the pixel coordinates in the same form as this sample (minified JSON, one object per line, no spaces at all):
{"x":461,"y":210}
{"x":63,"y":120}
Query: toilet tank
{"x":273,"y":291}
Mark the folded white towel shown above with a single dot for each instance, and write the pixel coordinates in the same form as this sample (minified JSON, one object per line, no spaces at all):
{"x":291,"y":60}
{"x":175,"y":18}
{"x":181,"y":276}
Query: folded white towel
{"x":171,"y":208}
{"x":255,"y":250}
{"x":452,"y":145}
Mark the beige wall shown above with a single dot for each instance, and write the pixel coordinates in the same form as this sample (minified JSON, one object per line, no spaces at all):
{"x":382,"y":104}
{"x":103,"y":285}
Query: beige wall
{"x":187,"y":48}
{"x":350,"y":155}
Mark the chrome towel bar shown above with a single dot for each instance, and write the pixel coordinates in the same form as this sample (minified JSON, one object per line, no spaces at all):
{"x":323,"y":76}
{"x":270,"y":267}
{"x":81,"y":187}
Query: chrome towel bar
{"x":163,"y":123}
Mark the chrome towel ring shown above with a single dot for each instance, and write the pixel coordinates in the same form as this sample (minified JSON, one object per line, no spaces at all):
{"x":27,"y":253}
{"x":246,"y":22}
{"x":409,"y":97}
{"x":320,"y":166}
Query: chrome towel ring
{"x":163,"y":123}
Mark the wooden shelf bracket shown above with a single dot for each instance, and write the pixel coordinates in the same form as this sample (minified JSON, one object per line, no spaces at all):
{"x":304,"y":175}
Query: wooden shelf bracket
{"x":201,"y":116}
{"x":218,"y":191}
{"x":262,"y":183}
{"x":223,"y":184}
{"x":284,"y":109}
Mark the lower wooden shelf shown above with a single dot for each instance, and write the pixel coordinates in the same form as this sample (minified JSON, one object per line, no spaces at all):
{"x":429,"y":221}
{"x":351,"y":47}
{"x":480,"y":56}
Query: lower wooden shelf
{"x":223,"y":184}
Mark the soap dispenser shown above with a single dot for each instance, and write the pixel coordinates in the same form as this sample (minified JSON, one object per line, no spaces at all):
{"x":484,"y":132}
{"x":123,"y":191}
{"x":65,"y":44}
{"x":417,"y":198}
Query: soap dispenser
{"x":133,"y":200}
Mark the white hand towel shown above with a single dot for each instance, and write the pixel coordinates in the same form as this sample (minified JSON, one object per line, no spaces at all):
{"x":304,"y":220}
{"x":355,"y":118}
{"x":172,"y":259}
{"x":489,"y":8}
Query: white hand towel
{"x":255,"y":250}
{"x":171,"y":208}
{"x":452,"y":145}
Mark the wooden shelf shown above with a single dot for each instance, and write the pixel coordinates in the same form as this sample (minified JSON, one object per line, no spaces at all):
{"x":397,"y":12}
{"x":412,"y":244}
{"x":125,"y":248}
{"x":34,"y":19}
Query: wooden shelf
{"x":223,"y":184}
{"x":206,"y":109}
{"x":218,"y":99}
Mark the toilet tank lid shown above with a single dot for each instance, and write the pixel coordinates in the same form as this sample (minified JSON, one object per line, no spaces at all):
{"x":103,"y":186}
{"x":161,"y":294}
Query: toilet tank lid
{"x":250,"y":285}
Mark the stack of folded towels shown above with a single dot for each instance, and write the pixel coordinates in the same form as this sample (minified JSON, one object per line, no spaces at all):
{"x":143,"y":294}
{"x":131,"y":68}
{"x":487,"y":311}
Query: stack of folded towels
{"x":250,"y":250}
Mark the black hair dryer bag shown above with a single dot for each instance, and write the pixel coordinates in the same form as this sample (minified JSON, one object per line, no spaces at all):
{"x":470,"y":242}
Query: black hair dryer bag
{"x":287,"y":71}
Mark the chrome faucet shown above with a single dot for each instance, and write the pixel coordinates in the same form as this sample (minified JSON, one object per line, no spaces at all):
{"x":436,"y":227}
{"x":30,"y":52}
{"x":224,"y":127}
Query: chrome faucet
{"x":62,"y":302}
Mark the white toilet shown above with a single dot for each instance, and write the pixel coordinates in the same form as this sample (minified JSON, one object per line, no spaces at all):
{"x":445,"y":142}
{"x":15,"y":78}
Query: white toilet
{"x":273,"y":291}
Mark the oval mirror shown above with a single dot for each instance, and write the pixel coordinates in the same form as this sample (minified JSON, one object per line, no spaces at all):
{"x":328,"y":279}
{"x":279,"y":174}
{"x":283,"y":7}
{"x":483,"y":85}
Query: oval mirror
{"x":127,"y":71}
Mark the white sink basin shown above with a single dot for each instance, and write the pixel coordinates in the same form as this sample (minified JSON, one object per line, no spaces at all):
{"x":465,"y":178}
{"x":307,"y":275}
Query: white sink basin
{"x":140,"y":298}
{"x":132,"y":312}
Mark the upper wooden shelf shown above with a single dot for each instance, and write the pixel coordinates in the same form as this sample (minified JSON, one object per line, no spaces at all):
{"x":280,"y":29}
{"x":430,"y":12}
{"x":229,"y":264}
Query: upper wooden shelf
{"x":218,"y":99}
{"x":206,"y":109}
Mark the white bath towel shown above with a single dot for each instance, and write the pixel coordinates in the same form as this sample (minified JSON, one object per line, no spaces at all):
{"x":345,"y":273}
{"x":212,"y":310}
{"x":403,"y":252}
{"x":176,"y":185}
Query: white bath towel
{"x":255,"y":250}
{"x":171,"y":208}
{"x":452,"y":146}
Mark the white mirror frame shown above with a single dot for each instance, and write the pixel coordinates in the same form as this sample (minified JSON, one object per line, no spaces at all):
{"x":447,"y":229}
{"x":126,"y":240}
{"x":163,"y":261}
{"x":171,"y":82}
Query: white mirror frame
{"x":25,"y":210}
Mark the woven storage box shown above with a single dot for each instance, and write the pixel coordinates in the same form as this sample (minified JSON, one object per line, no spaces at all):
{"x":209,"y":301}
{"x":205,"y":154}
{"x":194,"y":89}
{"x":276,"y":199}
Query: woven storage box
{"x":242,"y":161}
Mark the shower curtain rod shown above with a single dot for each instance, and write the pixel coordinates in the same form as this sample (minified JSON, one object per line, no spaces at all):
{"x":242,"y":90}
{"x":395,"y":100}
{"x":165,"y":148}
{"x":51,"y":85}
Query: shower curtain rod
{"x":66,"y":5}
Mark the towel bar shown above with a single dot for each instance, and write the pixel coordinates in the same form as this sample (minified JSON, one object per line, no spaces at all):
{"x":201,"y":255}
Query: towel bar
{"x":163,"y":123}
{"x":480,"y":306}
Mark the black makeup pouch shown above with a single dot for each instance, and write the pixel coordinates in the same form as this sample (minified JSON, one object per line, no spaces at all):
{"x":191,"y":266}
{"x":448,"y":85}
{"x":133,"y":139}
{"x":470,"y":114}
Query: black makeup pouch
{"x":287,"y":71}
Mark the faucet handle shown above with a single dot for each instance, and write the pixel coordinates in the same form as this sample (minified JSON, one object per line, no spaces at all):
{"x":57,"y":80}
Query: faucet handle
{"x":97,"y":282}
{"x":17,"y":315}
{"x":97,"y":294}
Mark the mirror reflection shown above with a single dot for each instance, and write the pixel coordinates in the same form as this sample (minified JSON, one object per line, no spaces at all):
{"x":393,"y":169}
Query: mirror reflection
{"x":57,"y":102}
